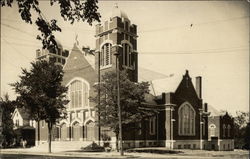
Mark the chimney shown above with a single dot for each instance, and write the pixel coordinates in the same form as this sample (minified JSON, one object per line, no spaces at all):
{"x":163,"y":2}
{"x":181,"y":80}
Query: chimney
{"x":38,"y":53}
{"x":205,"y":107}
{"x":164,"y":98}
{"x":167,"y":98}
{"x":198,"y":87}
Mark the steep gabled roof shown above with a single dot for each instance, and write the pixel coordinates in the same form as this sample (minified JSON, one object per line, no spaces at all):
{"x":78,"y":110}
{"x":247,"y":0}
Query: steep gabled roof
{"x":150,"y":99}
{"x":22,"y":112}
{"x":214,"y":112}
{"x":76,"y":60}
{"x":149,"y":75}
{"x":159,"y":82}
{"x":77,"y":65}
{"x":168,"y":84}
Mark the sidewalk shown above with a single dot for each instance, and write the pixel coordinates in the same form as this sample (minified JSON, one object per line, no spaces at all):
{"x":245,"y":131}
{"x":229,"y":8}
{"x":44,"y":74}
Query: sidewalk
{"x":196,"y":154}
{"x":30,"y":151}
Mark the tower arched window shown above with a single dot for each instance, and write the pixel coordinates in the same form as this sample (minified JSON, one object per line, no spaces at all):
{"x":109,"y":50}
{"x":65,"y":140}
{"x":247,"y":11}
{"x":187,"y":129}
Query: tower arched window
{"x":186,"y":115}
{"x":126,"y":55}
{"x":212,"y":129}
{"x":106,"y":57}
{"x":79,"y":94}
{"x":224,"y":130}
{"x":228,"y":130}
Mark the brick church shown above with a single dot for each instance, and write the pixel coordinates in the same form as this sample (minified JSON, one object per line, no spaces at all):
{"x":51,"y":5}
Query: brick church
{"x":183,"y":118}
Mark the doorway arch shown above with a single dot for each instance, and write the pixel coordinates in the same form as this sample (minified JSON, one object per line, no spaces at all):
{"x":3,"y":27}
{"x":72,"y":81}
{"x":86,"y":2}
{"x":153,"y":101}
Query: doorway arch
{"x":90,"y":131}
{"x":76,"y":131}
{"x":63,"y":131}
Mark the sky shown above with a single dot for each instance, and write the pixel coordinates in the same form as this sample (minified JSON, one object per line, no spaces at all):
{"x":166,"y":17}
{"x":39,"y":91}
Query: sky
{"x":210,"y":39}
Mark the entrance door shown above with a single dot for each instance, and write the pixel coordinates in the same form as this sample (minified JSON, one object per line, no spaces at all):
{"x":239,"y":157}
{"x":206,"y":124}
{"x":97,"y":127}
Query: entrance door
{"x":63,"y":132}
{"x":213,"y":147}
{"x":90,"y":132}
{"x":76,"y":131}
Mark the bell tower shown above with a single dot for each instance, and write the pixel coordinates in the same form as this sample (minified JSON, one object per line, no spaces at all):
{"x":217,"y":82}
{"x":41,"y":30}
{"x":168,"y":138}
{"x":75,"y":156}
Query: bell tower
{"x":117,"y":31}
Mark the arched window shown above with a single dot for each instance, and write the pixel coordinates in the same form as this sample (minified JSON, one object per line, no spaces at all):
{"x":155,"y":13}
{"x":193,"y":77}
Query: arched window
{"x":140,"y":128}
{"x":106,"y":57}
{"x":186,"y":120}
{"x":212,"y":129}
{"x":79,"y":94}
{"x":224,"y":130}
{"x":152,"y":123}
{"x":126,"y":55}
{"x":17,"y":123}
{"x":228,"y":130}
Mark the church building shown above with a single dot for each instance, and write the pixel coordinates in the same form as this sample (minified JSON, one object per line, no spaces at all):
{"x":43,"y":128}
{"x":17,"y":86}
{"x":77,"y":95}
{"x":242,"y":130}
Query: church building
{"x":182,"y":119}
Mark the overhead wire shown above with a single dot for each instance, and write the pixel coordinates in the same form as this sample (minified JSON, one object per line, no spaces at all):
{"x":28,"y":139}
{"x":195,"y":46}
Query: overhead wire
{"x":193,"y":24}
{"x":65,"y":27}
{"x":167,"y":52}
{"x":10,"y":62}
{"x":203,"y":51}
{"x":214,"y":50}
{"x":8,"y":43}
{"x":167,"y":27}
{"x":206,"y":51}
{"x":218,"y":50}
{"x":17,"y":29}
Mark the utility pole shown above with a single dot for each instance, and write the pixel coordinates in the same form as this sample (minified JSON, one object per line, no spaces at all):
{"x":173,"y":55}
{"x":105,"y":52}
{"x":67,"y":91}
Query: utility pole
{"x":99,"y":97}
{"x":1,"y":100}
{"x":1,"y":122}
{"x":116,"y":53}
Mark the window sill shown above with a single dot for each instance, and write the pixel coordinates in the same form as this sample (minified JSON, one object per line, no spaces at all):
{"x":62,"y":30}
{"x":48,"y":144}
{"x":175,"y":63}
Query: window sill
{"x":105,"y":67}
{"x":186,"y":134}
{"x":128,"y":67}
{"x":75,"y":109}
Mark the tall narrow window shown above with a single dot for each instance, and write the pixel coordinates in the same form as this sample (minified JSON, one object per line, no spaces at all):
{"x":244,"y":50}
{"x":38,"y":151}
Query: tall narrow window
{"x":126,"y":55}
{"x":152,"y":122}
{"x":228,"y":130}
{"x":106,"y":57}
{"x":203,"y":127}
{"x":212,"y":129}
{"x":224,"y":130}
{"x":43,"y":123}
{"x":79,"y":92}
{"x":17,"y":123}
{"x":126,"y":26}
{"x":140,"y":128}
{"x":186,"y":120}
{"x":129,"y":57}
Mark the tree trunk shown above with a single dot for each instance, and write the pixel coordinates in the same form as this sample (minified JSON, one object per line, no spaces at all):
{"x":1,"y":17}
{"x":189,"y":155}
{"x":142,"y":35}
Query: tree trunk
{"x":49,"y":136}
{"x":38,"y":132}
{"x":116,"y":142}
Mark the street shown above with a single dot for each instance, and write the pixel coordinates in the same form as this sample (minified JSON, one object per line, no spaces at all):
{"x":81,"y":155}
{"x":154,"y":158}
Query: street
{"x":224,"y":155}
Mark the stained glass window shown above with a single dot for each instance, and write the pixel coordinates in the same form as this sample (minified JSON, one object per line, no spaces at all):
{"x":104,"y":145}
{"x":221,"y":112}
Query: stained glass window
{"x":186,"y":120}
{"x":79,"y":93}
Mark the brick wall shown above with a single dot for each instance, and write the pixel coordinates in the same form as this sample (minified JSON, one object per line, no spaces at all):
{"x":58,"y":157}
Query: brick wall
{"x":186,"y":93}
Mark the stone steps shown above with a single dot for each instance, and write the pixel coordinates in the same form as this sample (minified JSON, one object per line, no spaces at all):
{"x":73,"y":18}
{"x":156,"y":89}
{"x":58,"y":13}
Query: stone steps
{"x":60,"y":146}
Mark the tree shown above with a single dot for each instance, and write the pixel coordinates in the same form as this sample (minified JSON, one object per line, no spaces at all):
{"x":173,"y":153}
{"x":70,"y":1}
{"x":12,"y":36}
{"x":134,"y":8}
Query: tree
{"x":132,"y":97}
{"x":41,"y":92}
{"x":247,"y":137}
{"x":70,"y":11}
{"x":8,"y":134}
{"x":241,"y":129}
